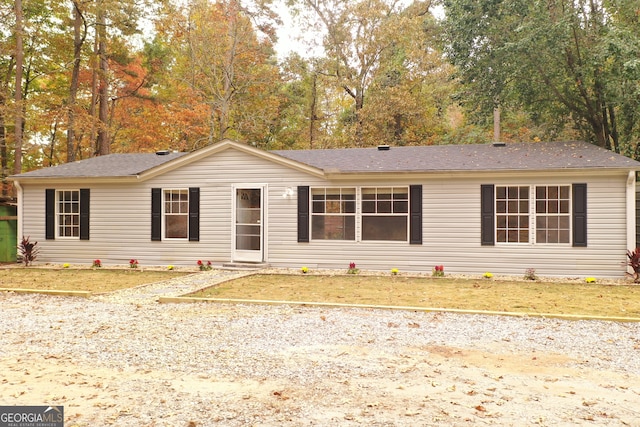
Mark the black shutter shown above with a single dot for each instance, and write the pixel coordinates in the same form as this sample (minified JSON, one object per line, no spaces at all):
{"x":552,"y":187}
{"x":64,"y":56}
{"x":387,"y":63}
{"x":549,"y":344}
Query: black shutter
{"x":194,"y":214}
{"x":303,"y":213}
{"x":487,"y":226}
{"x":156,"y":214}
{"x":50,"y":213}
{"x":580,"y":215}
{"x":84,"y":213}
{"x":415,"y":210}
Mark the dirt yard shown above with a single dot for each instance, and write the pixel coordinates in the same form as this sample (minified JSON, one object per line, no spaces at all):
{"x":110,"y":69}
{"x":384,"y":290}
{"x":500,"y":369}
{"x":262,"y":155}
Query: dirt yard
{"x":126,"y":364}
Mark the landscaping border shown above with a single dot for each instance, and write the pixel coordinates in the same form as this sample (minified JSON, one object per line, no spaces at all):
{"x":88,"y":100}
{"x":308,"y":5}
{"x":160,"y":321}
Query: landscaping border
{"x":172,"y":300}
{"x":53,"y":292}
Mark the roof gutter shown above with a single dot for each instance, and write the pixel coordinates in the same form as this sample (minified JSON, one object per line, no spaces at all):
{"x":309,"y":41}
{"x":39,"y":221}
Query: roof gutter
{"x":75,"y":179}
{"x":403,"y":175}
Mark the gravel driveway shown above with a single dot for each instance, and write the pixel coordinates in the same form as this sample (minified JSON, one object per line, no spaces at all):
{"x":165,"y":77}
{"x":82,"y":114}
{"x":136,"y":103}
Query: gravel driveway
{"x":125,"y":360}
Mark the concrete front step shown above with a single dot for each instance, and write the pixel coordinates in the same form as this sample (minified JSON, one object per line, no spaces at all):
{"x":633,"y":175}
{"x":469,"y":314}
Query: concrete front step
{"x":245,"y":265}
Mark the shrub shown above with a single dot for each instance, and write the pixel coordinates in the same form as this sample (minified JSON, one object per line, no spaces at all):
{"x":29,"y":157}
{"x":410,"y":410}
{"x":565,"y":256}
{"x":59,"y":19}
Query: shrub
{"x":590,"y":280}
{"x":204,"y":267}
{"x":133,"y":263}
{"x":487,"y":275}
{"x":438,"y":271}
{"x":352,"y":268}
{"x":634,"y":263}
{"x":28,"y":251}
{"x":394,"y":271}
{"x":304,"y":270}
{"x":530,"y":274}
{"x":96,"y":263}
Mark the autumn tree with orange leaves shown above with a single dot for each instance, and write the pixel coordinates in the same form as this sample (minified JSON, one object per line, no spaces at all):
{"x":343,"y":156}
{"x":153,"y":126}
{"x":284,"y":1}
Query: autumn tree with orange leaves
{"x":217,"y":76}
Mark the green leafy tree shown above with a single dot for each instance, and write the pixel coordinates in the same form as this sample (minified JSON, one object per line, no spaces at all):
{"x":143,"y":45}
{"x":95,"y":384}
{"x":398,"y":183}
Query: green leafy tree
{"x":355,"y":39}
{"x":564,"y":62}
{"x":22,"y":66}
{"x":383,"y":59}
{"x":410,"y":96}
{"x":312,"y":104}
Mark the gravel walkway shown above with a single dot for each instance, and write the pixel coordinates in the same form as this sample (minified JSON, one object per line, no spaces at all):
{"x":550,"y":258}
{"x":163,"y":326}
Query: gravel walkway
{"x":122,"y":359}
{"x":149,"y":294}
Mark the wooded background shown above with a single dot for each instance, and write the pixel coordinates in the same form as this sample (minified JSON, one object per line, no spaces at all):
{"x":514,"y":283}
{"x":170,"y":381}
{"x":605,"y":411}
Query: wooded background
{"x":86,"y":78}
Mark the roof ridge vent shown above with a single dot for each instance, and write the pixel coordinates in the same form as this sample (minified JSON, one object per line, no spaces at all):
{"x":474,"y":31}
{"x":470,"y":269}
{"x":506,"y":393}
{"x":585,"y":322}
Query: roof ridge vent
{"x":163,"y":152}
{"x":383,"y":147}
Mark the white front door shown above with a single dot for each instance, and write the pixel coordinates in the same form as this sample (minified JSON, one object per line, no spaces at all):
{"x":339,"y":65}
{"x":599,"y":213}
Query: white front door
{"x":248,"y":227}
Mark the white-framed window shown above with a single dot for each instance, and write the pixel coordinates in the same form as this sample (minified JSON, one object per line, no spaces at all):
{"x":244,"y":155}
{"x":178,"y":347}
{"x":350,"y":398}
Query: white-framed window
{"x":385,"y":213}
{"x":176,"y":213}
{"x":68,"y":213}
{"x":333,"y":213}
{"x":551,"y":214}
{"x":512,"y":214}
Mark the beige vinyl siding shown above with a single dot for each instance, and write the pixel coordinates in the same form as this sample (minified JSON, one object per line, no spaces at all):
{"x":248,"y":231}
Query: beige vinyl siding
{"x":120,"y":224}
{"x":120,"y":215}
{"x":451,"y":234}
{"x":606,"y":231}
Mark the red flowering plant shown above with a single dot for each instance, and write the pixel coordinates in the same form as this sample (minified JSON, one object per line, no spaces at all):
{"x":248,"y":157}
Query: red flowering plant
{"x":133,"y":263}
{"x":96,"y":263}
{"x":438,"y":271}
{"x":352,"y":268}
{"x":204,"y":266}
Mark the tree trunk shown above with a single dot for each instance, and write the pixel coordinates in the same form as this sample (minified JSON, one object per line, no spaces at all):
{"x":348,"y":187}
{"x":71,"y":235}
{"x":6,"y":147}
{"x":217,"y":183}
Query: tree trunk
{"x":615,"y":138}
{"x":359,"y":98}
{"x":496,"y":124}
{"x":94,"y":93}
{"x":19,"y":55}
{"x":79,"y":37}
{"x":52,"y":145}
{"x":313,"y":109}
{"x":229,"y":69}
{"x":3,"y":156}
{"x":4,"y":95}
{"x":398,"y":129}
{"x":3,"y":142}
{"x":102,"y":143}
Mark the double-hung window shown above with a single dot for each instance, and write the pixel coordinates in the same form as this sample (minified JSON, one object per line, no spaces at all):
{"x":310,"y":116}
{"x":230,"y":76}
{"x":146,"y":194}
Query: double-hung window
{"x":333,"y":213}
{"x":553,"y":214}
{"x":512,"y":214}
{"x":176,"y":214}
{"x":538,"y":214}
{"x":68,"y":213}
{"x":385,"y":213}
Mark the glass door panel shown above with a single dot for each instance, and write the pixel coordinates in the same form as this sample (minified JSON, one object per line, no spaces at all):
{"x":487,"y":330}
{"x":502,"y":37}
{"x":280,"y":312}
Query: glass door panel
{"x":248,"y":225}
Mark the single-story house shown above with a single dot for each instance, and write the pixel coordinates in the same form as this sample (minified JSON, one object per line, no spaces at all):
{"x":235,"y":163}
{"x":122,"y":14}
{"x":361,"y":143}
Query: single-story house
{"x":562,"y":208}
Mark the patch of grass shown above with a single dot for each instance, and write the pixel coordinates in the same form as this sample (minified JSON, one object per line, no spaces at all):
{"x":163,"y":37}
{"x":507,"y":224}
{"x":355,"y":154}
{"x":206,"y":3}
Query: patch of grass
{"x":96,"y":281}
{"x":469,"y":294}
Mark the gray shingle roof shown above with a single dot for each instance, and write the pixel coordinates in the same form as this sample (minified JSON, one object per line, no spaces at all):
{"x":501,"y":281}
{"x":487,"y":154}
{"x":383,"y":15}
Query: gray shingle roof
{"x":477,"y":157}
{"x":433,"y":158}
{"x":112,"y":165}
